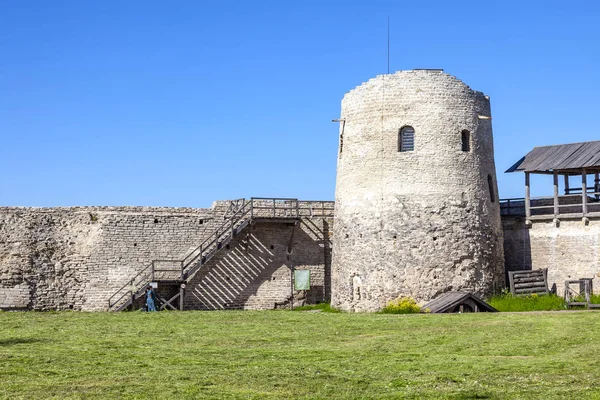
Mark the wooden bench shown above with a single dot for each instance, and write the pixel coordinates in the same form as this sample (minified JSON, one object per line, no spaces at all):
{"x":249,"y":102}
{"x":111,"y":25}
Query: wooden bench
{"x":528,"y":282}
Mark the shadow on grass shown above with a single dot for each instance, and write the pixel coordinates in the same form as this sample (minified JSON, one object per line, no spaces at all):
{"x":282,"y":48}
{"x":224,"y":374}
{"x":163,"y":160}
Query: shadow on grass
{"x":13,"y":341}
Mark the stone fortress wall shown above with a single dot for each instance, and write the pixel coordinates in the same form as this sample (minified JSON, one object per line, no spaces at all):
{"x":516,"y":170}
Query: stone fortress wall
{"x":569,"y":251}
{"x":74,"y":258}
{"x":77,"y":257}
{"x":254,"y":273}
{"x":415,"y":223}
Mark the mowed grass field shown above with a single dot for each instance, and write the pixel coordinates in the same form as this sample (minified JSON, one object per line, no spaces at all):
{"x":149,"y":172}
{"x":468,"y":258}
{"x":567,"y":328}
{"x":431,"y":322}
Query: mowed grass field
{"x":299,"y":355}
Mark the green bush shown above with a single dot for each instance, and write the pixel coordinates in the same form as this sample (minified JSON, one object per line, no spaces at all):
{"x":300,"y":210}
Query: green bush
{"x":532,"y":302}
{"x":402,"y":305}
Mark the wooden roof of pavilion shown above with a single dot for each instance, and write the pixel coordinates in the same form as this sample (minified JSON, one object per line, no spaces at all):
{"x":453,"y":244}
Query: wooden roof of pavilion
{"x":562,"y":157}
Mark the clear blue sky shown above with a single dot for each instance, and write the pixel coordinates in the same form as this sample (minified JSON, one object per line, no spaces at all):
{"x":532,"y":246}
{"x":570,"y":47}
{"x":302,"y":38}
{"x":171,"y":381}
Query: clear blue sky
{"x":182,"y":103}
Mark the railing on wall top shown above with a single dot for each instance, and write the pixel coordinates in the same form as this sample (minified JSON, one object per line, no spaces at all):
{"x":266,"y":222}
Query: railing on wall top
{"x":548,"y":207}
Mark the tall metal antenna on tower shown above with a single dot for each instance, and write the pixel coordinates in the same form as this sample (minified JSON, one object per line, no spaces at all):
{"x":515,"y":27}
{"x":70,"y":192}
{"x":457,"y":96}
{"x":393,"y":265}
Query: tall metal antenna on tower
{"x":388,"y":45}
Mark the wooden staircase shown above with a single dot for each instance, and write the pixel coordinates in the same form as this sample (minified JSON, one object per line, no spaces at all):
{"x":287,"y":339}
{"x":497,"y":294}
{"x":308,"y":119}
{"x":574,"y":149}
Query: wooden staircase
{"x":240,"y":214}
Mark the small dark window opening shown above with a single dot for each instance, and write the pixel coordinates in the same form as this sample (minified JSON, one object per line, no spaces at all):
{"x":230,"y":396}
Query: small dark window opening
{"x":491,"y":187}
{"x":466,"y":140}
{"x":406,"y":139}
{"x":156,"y":220}
{"x":201,"y":221}
{"x":272,"y":247}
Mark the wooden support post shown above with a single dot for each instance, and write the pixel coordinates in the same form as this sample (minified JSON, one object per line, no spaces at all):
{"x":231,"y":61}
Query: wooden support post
{"x":292,"y":282}
{"x":555,"y":194}
{"x":132,"y":293}
{"x":584,"y":192}
{"x":588,"y":293}
{"x":511,"y":280}
{"x":181,"y":294}
{"x":566,"y":183}
{"x":596,"y":185}
{"x":527,"y":197}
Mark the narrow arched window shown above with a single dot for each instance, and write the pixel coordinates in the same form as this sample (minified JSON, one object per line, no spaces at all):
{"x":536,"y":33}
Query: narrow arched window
{"x":466,"y":140}
{"x":491,"y":188}
{"x":406,"y":139}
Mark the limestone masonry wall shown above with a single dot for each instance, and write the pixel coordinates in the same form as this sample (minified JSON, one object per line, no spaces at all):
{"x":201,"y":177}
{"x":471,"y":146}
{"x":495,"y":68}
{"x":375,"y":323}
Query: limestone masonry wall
{"x":76,"y":257}
{"x":569,"y":251}
{"x":255,"y":272}
{"x":414,"y":223}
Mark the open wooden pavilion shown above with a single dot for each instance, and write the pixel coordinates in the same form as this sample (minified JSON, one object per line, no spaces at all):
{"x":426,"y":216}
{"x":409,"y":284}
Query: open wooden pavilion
{"x":566,"y":160}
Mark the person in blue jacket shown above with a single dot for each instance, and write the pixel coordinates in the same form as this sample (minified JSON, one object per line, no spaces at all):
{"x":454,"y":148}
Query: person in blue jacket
{"x":150,"y":299}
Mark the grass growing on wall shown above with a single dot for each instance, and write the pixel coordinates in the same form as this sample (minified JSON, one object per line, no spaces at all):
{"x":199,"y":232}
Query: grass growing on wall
{"x":288,"y":355}
{"x":534,"y":302}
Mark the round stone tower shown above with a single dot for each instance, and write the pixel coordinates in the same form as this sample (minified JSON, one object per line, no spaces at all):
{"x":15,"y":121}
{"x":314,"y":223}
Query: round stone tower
{"x":417,"y":210}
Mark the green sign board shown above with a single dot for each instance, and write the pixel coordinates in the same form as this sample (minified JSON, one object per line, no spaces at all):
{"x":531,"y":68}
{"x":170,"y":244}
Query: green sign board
{"x":302,"y":279}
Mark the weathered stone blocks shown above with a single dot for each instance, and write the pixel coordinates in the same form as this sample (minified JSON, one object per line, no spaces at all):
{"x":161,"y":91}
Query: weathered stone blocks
{"x":418,"y":222}
{"x":77,"y":257}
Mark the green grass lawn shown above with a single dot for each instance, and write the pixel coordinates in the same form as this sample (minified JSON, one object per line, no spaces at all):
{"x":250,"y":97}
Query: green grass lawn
{"x":534,"y":302}
{"x":310,"y":355}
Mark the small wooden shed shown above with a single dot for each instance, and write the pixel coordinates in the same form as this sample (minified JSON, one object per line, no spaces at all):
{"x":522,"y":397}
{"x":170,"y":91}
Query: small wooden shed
{"x":457,"y":302}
